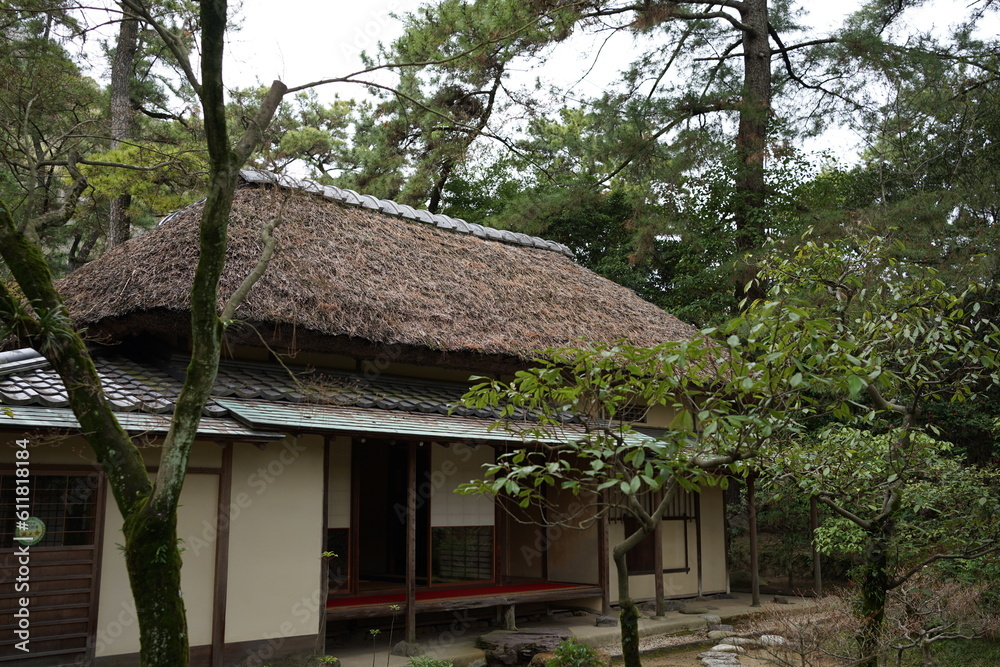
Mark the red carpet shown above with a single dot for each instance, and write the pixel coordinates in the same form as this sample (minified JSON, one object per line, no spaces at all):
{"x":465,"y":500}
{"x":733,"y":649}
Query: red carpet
{"x":438,"y":593}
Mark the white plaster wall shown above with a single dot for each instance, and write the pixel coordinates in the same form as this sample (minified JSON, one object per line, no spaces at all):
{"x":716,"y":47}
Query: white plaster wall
{"x":117,"y":628}
{"x":713,"y":544}
{"x":674,"y":584}
{"x":339,"y":491}
{"x":451,"y":466}
{"x":276,"y":540}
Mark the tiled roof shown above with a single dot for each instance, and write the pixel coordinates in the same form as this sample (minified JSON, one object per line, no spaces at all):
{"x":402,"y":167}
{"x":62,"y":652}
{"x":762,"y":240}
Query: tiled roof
{"x":145,"y":393}
{"x":128,"y":385}
{"x":34,"y":417}
{"x":389,"y":207}
{"x":259,"y":401}
{"x":371,"y":421}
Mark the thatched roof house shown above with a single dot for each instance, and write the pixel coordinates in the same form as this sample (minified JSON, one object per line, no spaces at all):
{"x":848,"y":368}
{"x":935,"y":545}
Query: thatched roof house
{"x":346,"y":277}
{"x":392,"y":309}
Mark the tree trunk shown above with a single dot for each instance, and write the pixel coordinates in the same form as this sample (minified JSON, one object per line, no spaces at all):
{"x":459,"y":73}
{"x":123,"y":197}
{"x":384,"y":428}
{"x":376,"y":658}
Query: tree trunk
{"x":150,"y":510}
{"x":754,"y":547}
{"x":751,"y":142}
{"x":154,"y":569}
{"x":817,"y":562}
{"x":874,"y":590}
{"x":629,"y":616}
{"x":119,"y":225}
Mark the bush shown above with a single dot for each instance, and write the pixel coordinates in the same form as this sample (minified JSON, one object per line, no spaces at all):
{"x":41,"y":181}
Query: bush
{"x":424,"y":661}
{"x":571,"y":653}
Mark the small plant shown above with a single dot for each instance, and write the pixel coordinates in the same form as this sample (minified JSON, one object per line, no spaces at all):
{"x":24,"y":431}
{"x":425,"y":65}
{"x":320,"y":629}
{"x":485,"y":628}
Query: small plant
{"x":374,"y":632}
{"x":425,"y":661}
{"x":327,"y":660}
{"x":392,"y":624}
{"x":571,"y":653}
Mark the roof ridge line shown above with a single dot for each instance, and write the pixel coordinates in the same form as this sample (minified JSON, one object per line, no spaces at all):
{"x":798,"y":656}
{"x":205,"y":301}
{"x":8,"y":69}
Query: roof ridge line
{"x":403,"y":211}
{"x":23,"y":359}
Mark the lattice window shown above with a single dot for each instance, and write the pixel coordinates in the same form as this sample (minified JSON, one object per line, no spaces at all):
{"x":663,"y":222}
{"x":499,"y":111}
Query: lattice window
{"x":681,"y":507}
{"x":635,"y":414}
{"x":462,"y":553}
{"x":67,"y":504}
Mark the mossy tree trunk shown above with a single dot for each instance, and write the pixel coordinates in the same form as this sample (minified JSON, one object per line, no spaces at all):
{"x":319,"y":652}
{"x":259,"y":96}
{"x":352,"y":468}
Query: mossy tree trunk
{"x":629,"y":615}
{"x":154,"y":570}
{"x":149,"y":509}
{"x":874,"y":591}
{"x":876,"y":580}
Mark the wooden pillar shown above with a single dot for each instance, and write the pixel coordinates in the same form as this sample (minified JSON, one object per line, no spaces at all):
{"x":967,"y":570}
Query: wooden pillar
{"x":220,"y":593}
{"x":604,"y":563}
{"x":813,"y":527}
{"x":324,"y":570}
{"x":501,"y":549}
{"x":658,"y":566}
{"x":697,"y":533}
{"x":754,"y":561}
{"x":411,"y":545}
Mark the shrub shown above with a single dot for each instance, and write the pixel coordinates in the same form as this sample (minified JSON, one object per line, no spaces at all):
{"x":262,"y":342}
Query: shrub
{"x":571,"y":653}
{"x":425,"y":661}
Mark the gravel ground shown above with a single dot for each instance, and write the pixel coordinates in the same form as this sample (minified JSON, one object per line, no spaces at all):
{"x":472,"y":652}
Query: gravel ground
{"x":661,"y":641}
{"x":698,"y":642}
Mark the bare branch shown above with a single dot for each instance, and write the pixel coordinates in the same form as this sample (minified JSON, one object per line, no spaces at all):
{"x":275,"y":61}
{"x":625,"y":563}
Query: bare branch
{"x":266,"y":235}
{"x":173,"y":42}
{"x":102,"y":163}
{"x":738,"y":5}
{"x":895,"y":582}
{"x":827,"y":500}
{"x":881,"y":402}
{"x":739,"y":25}
{"x":251,"y":138}
{"x":62,"y":215}
{"x":437,"y":61}
{"x":783,"y":50}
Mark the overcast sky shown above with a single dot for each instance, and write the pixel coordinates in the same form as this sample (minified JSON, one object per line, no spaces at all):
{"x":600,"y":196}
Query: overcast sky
{"x":300,"y":41}
{"x":306,"y":40}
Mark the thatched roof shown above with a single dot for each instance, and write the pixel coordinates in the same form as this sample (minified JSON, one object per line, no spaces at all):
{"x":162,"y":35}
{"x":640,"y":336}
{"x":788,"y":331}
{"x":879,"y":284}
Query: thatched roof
{"x":350,"y":277}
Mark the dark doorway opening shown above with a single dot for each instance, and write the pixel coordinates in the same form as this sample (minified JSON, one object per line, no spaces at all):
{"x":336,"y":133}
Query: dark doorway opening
{"x":381,"y":475}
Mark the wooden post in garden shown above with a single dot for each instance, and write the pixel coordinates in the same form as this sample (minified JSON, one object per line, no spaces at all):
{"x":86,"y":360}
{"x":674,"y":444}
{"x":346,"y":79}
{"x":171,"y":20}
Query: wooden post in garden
{"x":411,"y":545}
{"x":754,"y":561}
{"x":658,"y":566}
{"x":603,"y":564}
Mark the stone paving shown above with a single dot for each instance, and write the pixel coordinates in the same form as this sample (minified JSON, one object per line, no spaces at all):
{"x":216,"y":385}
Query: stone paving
{"x":463,"y":652}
